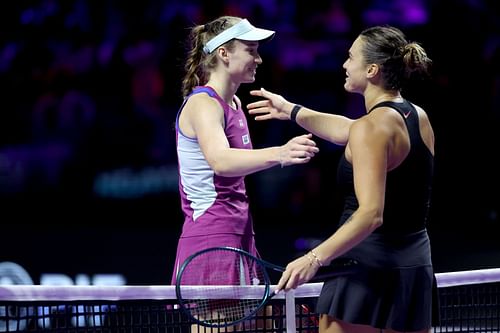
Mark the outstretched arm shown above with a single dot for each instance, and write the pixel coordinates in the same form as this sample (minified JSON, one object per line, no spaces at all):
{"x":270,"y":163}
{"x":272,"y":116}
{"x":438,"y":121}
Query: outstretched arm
{"x":208,"y":128}
{"x":330,"y":127}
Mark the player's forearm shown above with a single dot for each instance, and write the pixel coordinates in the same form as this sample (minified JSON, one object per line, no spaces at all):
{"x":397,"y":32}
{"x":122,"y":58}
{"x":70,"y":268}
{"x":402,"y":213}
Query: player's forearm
{"x":241,"y":162}
{"x":351,"y":233}
{"x":330,"y":127}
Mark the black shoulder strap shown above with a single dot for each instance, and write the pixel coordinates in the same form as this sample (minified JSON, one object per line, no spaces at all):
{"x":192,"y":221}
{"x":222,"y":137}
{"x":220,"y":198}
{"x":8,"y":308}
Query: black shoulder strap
{"x":386,"y":103}
{"x":399,"y":107}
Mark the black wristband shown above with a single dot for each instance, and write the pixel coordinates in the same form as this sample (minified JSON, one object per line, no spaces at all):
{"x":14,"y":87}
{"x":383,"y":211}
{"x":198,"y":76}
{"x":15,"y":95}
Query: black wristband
{"x":294,"y":112}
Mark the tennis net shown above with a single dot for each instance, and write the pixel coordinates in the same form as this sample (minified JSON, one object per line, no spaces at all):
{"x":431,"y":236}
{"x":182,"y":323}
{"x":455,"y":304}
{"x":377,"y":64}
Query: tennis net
{"x":469,"y":302}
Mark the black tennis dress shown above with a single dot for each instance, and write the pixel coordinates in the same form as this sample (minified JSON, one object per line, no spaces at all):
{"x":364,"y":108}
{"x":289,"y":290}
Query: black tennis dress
{"x":396,"y":287}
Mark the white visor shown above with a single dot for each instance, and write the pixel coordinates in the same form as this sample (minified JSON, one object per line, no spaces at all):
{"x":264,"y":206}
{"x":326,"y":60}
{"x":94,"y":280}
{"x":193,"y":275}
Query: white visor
{"x":242,"y":30}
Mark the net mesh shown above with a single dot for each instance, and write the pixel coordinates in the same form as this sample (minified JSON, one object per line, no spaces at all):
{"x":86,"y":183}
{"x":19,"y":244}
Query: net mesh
{"x":469,"y":302}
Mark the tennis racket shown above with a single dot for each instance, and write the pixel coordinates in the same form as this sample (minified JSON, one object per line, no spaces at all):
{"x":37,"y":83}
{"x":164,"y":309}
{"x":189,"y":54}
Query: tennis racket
{"x":223,"y":286}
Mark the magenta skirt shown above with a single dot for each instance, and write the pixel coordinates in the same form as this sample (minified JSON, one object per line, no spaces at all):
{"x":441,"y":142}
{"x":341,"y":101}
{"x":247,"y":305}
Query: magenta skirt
{"x":190,"y":245}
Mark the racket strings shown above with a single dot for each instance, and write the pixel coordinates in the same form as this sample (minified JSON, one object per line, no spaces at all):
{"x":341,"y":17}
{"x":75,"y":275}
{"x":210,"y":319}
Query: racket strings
{"x":223,"y":280}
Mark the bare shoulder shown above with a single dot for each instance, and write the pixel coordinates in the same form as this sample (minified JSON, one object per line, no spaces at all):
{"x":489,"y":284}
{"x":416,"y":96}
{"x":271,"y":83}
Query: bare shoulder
{"x":201,"y":108}
{"x":379,"y":121}
{"x":369,"y":137}
{"x":426,"y":131}
{"x":369,"y":128}
{"x":201,"y":111}
{"x":200,"y":102}
{"x":421,"y":112}
{"x":362,"y":124}
{"x":422,"y":116}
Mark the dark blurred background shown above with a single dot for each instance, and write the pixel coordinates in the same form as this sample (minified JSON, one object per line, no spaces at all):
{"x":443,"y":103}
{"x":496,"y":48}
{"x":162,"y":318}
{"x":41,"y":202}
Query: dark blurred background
{"x":90,"y":90}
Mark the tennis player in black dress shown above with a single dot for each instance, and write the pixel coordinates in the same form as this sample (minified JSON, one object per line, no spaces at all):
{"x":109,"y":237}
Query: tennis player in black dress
{"x":385,"y":177}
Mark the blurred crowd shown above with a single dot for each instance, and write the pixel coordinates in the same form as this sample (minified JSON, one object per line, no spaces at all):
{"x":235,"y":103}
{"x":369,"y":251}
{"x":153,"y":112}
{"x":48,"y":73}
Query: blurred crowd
{"x":90,"y":89}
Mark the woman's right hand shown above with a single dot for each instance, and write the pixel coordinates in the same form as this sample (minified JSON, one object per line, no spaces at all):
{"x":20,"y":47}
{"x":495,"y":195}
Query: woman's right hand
{"x":274,"y":106}
{"x":297,"y":272}
{"x":298,"y":150}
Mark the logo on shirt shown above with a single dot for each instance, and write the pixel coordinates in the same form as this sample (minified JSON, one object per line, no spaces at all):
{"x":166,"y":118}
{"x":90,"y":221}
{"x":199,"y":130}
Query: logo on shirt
{"x":246,"y":139}
{"x":242,"y":124}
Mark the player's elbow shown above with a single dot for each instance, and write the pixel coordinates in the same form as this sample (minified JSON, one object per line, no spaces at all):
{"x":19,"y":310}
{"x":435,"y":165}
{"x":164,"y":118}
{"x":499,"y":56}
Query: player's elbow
{"x":373,"y":218}
{"x":377,"y":217}
{"x":223,"y":162}
{"x":222,"y":169}
{"x":377,"y":222}
{"x":219,"y":169}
